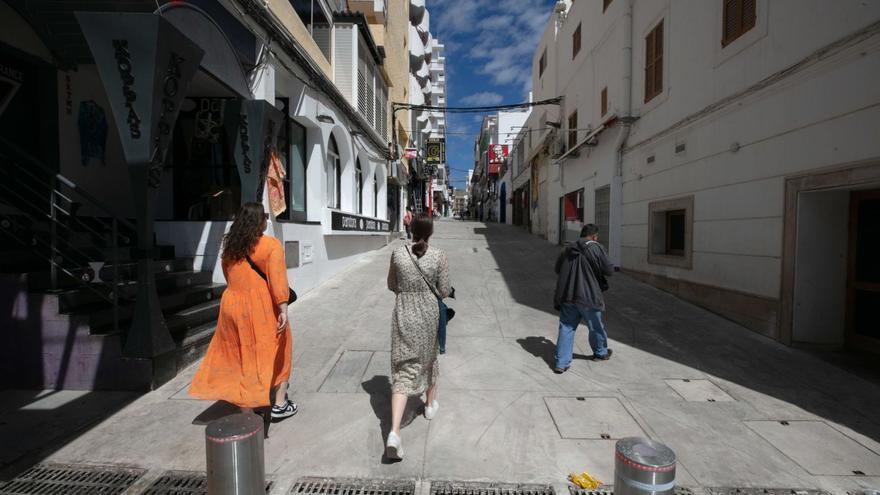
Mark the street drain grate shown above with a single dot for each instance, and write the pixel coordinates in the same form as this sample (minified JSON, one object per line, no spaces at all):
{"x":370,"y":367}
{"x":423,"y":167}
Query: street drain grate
{"x":609,"y":490}
{"x":457,"y":488}
{"x":763,"y":491}
{"x":184,"y":483}
{"x":344,"y":486}
{"x":60,"y":479}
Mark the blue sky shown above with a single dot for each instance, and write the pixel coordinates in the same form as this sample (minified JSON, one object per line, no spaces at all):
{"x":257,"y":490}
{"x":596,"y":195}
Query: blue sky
{"x":489,"y":49}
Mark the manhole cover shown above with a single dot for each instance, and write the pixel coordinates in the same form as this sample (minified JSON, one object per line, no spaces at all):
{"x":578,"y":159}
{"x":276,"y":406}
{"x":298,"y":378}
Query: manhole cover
{"x":184,"y":483}
{"x":337,"y":486}
{"x":456,"y":488}
{"x":52,"y":479}
{"x":609,"y":490}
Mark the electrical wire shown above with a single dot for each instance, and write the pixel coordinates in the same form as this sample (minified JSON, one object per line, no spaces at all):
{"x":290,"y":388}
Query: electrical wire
{"x":492,"y":108}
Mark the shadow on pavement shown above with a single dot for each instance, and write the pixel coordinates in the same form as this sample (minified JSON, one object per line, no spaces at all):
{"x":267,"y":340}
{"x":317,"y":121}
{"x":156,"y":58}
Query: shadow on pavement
{"x":658,"y":323}
{"x":545,"y":349}
{"x":379,"y":389}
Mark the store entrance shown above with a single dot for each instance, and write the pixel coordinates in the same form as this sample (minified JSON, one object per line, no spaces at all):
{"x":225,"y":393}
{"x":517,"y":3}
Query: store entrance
{"x":863,"y":274}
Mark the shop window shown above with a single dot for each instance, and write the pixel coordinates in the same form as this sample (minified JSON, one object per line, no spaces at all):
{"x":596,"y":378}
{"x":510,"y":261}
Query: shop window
{"x":375,"y":196}
{"x":671,"y":226}
{"x":297,"y":172}
{"x":334,"y":175}
{"x":359,"y":187}
{"x":739,"y":18}
{"x":654,"y":62}
{"x":571,"y":215}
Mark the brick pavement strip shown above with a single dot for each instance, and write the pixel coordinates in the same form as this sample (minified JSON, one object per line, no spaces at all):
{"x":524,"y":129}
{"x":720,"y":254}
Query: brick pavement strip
{"x":496,"y":423}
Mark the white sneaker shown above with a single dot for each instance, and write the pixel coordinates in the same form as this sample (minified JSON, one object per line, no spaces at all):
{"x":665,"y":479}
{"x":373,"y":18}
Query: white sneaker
{"x":393,"y":449}
{"x":431,"y":411}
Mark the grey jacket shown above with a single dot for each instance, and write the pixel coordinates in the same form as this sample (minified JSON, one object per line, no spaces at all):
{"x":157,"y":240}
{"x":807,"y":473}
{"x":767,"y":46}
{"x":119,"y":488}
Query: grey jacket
{"x":582,"y":267}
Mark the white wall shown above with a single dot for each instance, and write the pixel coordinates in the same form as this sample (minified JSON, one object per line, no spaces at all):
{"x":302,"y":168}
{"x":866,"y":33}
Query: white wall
{"x":821,"y":267}
{"x":737,"y":157}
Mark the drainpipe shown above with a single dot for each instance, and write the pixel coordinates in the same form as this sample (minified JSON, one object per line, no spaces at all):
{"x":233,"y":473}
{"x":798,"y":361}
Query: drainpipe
{"x":626,"y":122}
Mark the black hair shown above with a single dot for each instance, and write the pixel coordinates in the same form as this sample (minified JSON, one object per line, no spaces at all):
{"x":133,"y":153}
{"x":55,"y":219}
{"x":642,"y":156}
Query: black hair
{"x":589,"y":229}
{"x":422,"y":228}
{"x":246,"y":229}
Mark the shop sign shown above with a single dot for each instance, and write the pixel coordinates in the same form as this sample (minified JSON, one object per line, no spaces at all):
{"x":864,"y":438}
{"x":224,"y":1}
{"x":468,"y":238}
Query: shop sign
{"x":410,"y":153}
{"x":10,"y":80}
{"x":355,"y":223}
{"x":497,"y":157}
{"x":145,"y":64}
{"x":253,"y":127}
{"x":435,"y":151}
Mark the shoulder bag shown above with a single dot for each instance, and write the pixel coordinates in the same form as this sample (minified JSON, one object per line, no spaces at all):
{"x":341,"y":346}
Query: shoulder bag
{"x":291,"y":296}
{"x":450,"y":313}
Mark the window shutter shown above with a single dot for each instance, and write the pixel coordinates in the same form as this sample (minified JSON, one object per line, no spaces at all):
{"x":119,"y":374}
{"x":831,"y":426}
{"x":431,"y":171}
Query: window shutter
{"x":604,"y":101}
{"x":649,"y":66}
{"x":658,"y":59}
{"x":749,"y":14}
{"x":371,"y":116}
{"x":362,"y":87}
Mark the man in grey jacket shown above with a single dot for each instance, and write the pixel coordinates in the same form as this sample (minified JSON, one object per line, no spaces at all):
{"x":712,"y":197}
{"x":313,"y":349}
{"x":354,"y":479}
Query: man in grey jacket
{"x":582,"y":268}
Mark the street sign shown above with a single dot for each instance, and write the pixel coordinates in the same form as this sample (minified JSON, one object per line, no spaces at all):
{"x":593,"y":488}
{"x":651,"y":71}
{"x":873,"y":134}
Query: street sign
{"x":435,"y":150}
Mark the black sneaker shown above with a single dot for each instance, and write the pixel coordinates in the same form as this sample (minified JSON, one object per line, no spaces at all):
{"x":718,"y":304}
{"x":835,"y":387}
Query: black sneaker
{"x":285,"y":411}
{"x":560,"y":371}
{"x":606,"y":357}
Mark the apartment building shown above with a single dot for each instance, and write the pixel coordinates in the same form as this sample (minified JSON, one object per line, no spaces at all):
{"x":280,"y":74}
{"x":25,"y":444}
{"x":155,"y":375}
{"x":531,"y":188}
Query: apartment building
{"x":727,"y":150}
{"x":131,"y":138}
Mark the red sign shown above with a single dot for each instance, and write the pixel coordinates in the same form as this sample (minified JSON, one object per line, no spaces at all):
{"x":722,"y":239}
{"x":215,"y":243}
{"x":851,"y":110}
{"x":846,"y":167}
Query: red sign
{"x":497,"y":156}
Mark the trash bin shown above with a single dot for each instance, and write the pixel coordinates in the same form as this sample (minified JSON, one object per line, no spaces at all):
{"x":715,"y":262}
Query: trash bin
{"x":234,"y":451}
{"x":643,"y":467}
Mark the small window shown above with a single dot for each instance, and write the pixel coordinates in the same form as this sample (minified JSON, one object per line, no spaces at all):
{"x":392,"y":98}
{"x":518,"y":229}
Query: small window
{"x":670,"y":227}
{"x":739,"y":18}
{"x":605,"y":4}
{"x":604,"y":101}
{"x":334,"y":175}
{"x":576,"y":42}
{"x":654,"y":63}
{"x":572,"y":129}
{"x":542,"y":63}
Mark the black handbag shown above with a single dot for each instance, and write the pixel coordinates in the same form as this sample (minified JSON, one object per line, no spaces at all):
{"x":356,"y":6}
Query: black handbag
{"x":291,"y":295}
{"x":450,"y":313}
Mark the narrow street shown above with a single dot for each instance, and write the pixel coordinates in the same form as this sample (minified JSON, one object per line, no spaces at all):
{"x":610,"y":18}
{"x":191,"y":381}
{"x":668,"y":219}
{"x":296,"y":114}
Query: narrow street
{"x":738,"y":409}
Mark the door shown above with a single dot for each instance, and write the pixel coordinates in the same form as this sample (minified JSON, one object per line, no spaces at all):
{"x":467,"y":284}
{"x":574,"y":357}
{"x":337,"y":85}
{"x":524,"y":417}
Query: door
{"x":863,"y":277}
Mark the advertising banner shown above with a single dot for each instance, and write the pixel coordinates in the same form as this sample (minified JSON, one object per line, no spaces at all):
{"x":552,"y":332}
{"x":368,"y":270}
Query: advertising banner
{"x":497,"y":157}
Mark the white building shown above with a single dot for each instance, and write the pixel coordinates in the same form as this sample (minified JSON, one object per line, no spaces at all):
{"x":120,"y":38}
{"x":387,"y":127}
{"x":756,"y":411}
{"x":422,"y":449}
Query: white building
{"x":729,"y":155}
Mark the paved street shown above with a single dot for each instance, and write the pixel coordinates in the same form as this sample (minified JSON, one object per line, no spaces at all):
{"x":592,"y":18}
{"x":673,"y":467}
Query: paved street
{"x":738,"y":409}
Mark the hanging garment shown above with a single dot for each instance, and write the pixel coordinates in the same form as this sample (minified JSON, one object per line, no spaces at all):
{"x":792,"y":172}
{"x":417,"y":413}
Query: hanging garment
{"x":275,"y":179}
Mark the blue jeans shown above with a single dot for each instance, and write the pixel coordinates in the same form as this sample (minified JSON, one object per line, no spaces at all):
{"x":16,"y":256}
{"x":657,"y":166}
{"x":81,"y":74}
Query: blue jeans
{"x":570,"y":316}
{"x":441,"y":331}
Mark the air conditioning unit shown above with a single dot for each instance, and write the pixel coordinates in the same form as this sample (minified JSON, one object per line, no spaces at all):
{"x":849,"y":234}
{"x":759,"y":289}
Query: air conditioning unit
{"x":558,"y":147}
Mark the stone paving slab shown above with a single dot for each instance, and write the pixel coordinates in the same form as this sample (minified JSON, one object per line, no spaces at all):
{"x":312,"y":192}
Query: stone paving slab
{"x":494,"y":423}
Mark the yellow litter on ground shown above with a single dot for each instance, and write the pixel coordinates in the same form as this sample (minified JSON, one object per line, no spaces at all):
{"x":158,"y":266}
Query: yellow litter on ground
{"x":584,"y":480}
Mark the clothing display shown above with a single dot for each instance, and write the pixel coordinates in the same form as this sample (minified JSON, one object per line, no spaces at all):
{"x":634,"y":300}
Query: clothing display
{"x":92,"y":123}
{"x":275,"y":179}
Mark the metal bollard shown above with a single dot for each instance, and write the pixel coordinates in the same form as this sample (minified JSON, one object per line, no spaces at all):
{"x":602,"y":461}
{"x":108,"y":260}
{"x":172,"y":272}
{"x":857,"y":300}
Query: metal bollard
{"x":234,"y":448}
{"x":642,"y":467}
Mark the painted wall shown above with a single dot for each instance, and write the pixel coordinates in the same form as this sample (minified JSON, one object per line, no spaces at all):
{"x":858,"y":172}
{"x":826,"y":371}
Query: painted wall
{"x":737,"y":157}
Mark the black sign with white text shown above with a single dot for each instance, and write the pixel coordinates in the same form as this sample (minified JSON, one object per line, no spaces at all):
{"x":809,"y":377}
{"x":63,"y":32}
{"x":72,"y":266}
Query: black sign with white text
{"x":355,"y":223}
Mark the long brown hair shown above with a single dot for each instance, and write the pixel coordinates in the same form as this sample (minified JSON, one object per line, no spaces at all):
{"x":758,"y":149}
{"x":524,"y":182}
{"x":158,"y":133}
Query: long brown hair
{"x":422,"y":230}
{"x":246,"y":230}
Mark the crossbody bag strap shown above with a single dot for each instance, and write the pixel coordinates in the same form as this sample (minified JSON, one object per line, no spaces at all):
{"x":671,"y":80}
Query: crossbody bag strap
{"x":424,"y":277}
{"x":256,"y":268}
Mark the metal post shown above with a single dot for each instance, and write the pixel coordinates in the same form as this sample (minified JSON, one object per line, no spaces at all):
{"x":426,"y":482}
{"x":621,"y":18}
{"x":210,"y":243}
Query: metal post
{"x":643,"y":467}
{"x":234,"y":450}
{"x":53,"y":240}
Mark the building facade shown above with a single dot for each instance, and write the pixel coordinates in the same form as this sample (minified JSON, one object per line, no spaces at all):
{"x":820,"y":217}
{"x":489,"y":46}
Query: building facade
{"x":727,"y":151}
{"x":156,"y":160}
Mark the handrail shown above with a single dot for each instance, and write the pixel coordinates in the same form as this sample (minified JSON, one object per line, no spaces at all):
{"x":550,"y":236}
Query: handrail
{"x":66,"y":181}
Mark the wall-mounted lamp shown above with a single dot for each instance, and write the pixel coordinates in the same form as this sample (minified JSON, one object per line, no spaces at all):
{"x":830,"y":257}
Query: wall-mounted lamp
{"x":325,"y":119}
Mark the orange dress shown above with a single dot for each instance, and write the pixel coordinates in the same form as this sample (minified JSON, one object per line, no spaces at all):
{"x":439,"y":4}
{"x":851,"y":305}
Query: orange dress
{"x":247,"y":357}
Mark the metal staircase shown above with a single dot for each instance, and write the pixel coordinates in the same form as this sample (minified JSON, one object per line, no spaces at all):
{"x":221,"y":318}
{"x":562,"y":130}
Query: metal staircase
{"x":69,"y":258}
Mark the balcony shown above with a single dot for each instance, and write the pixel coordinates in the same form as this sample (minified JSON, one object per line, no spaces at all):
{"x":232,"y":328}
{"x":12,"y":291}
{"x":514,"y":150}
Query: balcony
{"x":374,"y":10}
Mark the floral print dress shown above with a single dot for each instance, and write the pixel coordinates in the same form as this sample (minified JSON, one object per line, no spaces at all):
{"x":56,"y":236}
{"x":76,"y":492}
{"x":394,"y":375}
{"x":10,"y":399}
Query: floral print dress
{"x":415,"y":319}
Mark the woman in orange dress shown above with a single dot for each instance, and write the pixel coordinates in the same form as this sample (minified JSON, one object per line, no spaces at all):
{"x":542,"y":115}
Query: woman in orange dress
{"x":248,"y":360}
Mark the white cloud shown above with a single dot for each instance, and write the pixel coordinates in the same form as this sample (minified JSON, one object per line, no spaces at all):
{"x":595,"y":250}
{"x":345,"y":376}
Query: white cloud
{"x":483,"y":98}
{"x":500,"y":42}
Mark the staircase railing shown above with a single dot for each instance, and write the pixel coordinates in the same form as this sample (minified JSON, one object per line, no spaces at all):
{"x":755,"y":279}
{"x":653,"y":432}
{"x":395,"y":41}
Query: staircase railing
{"x":46,"y":198}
